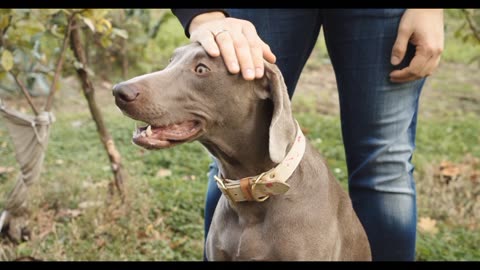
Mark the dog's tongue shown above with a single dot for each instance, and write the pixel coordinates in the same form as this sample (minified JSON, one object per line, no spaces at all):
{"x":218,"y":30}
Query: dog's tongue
{"x":173,"y":132}
{"x":161,"y":136}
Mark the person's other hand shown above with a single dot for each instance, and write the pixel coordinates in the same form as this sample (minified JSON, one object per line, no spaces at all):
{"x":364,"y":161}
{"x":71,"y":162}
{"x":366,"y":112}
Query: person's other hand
{"x":424,"y":29}
{"x":236,"y":40}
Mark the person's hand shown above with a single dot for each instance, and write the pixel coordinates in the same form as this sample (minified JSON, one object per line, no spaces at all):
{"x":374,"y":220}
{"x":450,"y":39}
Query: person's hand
{"x":236,"y":40}
{"x":424,"y":29}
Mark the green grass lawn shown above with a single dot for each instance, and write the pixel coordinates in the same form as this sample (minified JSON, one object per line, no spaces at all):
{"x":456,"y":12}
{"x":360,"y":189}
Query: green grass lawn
{"x":73,"y":217}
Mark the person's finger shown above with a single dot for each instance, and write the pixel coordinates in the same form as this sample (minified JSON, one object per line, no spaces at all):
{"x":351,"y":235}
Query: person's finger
{"x":413,"y":71}
{"x":268,"y":54}
{"x":257,"y":58}
{"x":244,"y":56}
{"x":400,"y":46}
{"x":430,"y":66}
{"x":227,"y":50}
{"x":207,"y":40}
{"x":433,"y":62}
{"x":256,"y":49}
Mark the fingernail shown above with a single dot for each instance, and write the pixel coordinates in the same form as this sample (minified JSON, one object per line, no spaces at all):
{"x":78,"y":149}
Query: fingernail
{"x":395,"y":60}
{"x":235,"y":66}
{"x":258,"y":72}
{"x":249,"y":73}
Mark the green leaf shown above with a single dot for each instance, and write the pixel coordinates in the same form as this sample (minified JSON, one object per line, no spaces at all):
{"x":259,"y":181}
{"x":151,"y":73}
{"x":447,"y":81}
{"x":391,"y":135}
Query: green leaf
{"x":29,"y":27}
{"x":99,"y":13}
{"x":3,"y":75}
{"x":4,"y":20}
{"x":51,"y":11}
{"x":55,"y":29}
{"x":105,"y":42}
{"x":103,"y":26}
{"x":120,"y":32}
{"x":7,"y":60}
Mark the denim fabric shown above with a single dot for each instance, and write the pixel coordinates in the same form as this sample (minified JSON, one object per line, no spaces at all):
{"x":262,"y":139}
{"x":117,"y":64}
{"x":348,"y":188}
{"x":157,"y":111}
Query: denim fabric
{"x":378,"y":117}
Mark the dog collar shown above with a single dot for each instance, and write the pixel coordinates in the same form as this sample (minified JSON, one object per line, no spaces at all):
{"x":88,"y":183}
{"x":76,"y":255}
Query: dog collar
{"x":272,"y":182}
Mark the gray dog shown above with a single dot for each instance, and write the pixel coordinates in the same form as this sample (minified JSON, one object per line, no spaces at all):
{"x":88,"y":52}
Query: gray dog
{"x":280,"y":201}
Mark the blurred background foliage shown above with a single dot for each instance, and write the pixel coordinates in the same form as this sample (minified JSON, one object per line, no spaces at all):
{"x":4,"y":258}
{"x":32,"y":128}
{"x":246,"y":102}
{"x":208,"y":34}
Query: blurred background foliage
{"x":126,"y":42}
{"x":121,"y":42}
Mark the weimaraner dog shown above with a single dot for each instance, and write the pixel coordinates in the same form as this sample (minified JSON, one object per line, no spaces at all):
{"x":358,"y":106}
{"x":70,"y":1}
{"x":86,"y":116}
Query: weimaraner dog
{"x":280,"y":201}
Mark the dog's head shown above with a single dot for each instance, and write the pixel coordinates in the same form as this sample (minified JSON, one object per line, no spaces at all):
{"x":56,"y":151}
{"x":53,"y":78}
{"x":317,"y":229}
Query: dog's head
{"x":196,"y":97}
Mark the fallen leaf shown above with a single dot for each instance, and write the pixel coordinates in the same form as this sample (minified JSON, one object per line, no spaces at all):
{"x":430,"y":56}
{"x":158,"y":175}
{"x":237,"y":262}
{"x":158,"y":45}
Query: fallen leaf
{"x":6,"y":170}
{"x":149,"y":229}
{"x":88,"y":204}
{"x":190,"y":177}
{"x":427,"y":225}
{"x":141,"y":234}
{"x":449,"y":169}
{"x":7,"y":60}
{"x":475,"y":176}
{"x":101,"y":184}
{"x":76,"y":124}
{"x":163,"y":173}
{"x":100,"y":243}
{"x":72,"y":213}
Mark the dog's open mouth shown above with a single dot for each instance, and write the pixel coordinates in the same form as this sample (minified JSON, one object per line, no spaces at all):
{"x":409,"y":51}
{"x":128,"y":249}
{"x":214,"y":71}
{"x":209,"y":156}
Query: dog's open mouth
{"x":157,"y":137}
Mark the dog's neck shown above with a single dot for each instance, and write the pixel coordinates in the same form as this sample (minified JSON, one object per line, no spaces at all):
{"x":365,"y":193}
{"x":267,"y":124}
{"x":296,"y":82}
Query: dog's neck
{"x":244,"y":151}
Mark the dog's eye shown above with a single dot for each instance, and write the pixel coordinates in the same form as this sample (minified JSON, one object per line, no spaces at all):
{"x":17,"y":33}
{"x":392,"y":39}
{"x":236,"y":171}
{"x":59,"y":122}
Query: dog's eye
{"x":201,"y":69}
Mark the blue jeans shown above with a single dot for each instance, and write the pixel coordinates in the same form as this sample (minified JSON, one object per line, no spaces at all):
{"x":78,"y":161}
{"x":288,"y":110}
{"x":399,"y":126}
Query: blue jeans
{"x":378,"y":117}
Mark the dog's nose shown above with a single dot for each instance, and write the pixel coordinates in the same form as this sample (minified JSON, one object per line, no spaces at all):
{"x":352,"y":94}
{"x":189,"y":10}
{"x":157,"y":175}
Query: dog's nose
{"x":125,"y":92}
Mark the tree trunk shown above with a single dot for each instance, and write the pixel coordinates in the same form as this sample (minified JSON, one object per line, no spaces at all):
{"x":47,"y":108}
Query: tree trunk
{"x":89,"y":92}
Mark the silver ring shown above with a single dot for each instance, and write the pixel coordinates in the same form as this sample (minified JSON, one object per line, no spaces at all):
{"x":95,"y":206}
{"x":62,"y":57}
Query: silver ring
{"x":219,"y":32}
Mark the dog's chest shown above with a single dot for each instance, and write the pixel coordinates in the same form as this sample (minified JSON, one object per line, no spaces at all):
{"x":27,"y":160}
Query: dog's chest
{"x":237,"y":236}
{"x":242,"y":243}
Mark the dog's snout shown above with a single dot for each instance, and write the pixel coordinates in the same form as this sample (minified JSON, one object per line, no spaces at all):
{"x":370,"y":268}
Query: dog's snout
{"x":125,"y":92}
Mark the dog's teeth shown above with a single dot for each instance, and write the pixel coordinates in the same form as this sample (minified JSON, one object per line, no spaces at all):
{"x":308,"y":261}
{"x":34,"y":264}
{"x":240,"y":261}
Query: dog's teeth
{"x":149,"y":131}
{"x":143,"y":134}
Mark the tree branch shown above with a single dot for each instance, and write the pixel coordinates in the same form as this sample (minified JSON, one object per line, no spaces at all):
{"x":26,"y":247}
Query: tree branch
{"x":89,"y":92}
{"x":58,"y":68}
{"x":25,"y":93}
{"x":471,"y":24}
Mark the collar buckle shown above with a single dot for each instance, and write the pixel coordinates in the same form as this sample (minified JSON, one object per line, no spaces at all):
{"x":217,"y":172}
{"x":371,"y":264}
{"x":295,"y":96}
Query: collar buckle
{"x":262,"y":198}
{"x":224,"y":188}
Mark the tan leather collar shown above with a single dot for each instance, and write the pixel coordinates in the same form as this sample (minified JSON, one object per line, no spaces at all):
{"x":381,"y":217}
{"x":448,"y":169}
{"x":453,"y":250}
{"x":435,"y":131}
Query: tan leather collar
{"x":273,"y":182}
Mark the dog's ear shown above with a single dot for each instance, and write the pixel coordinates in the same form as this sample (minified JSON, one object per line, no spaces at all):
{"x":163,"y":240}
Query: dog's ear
{"x":282,"y":127}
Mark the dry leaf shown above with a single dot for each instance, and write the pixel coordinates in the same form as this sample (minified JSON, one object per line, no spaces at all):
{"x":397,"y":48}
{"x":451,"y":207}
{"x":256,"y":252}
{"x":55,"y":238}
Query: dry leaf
{"x":141,"y":234}
{"x":449,"y":169}
{"x":99,"y":185}
{"x":149,"y":229}
{"x":190,"y":177}
{"x":88,"y":204}
{"x":100,"y":243}
{"x":6,"y":170}
{"x":427,"y":225}
{"x":76,"y":123}
{"x":72,"y":213}
{"x":163,"y":173}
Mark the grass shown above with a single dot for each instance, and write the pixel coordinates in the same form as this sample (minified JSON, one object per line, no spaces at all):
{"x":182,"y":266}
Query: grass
{"x":73,"y":217}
